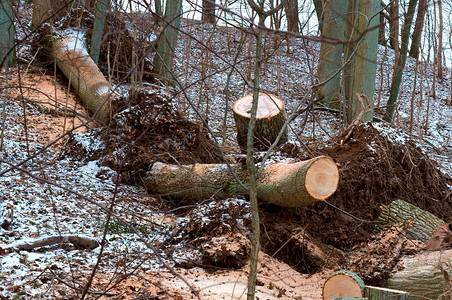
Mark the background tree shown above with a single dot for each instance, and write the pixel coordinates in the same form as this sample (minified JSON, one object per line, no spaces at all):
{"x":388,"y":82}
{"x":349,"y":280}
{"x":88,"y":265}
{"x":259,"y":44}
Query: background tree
{"x":439,"y":56}
{"x":360,"y":73}
{"x":98,"y":29}
{"x":418,"y":27}
{"x":208,"y":11}
{"x":400,"y":62}
{"x":7,"y":53}
{"x":164,"y":57}
{"x":291,"y":8}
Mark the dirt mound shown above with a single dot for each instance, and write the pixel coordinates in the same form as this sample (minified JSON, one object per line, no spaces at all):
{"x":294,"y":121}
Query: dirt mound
{"x":151,"y":129}
{"x":375,"y":171}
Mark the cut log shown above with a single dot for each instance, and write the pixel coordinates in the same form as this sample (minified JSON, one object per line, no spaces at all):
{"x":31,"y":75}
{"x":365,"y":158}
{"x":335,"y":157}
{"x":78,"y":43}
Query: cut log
{"x":344,"y":284}
{"x":420,"y":224}
{"x":425,"y":275}
{"x":282,"y":183}
{"x":27,"y":245}
{"x":84,"y":75}
{"x":270,"y":119}
{"x":379,"y":293}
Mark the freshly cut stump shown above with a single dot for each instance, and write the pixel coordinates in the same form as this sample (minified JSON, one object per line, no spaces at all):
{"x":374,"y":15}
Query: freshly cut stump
{"x":284,"y":184}
{"x":270,"y":119}
{"x":343,"y":283}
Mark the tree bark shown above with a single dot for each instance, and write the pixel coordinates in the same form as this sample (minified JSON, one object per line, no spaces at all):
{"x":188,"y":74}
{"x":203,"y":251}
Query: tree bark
{"x":425,"y":275}
{"x":379,"y":293}
{"x":84,"y":75}
{"x":318,"y":4}
{"x":420,"y":224}
{"x":330,"y":58}
{"x":51,"y":10}
{"x":394,"y":27}
{"x":291,"y":8}
{"x":98,"y":29}
{"x":166,"y":45}
{"x":439,"y":57}
{"x":7,"y":53}
{"x":400,"y":63}
{"x":270,"y":118}
{"x":418,"y":27}
{"x":208,"y":11}
{"x":344,"y":284}
{"x":360,"y":73}
{"x":283,"y":184}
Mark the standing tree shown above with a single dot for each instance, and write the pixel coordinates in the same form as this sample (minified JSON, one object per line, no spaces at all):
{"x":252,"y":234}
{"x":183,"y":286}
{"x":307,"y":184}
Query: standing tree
{"x":439,"y":57}
{"x":7,"y":54}
{"x":360,"y":72}
{"x":400,"y":62}
{"x":331,"y":48}
{"x":394,"y":26}
{"x":318,"y":5}
{"x":418,"y":27}
{"x":164,"y":57}
{"x":98,"y":29}
{"x":291,"y":8}
{"x":208,"y":11}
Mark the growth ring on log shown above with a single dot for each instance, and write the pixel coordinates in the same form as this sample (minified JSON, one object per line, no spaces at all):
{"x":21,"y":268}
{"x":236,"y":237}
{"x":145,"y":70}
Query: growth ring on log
{"x":343,"y":283}
{"x":270,"y":118}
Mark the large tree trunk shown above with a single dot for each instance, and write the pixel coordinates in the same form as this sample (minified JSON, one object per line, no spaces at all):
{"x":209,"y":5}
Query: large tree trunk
{"x":270,"y":119}
{"x":343,"y":284}
{"x":98,"y":29}
{"x":360,"y":73}
{"x":394,"y":26}
{"x":49,"y":11}
{"x":284,"y":184}
{"x":208,"y":11}
{"x":7,"y":53}
{"x":418,"y":27}
{"x":84,"y":75}
{"x":425,"y":275}
{"x":330,"y":59}
{"x":400,"y":63}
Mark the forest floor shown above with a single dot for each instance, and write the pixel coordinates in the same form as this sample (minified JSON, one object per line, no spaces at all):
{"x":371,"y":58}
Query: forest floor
{"x":59,"y":176}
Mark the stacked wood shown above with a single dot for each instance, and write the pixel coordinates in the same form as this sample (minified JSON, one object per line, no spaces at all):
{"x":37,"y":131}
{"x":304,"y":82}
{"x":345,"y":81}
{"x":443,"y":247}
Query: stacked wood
{"x":282,"y":183}
{"x":425,"y":275}
{"x":419,"y":224}
{"x":270,"y":119}
{"x":84,"y":75}
{"x":379,"y":293}
{"x":343,"y":284}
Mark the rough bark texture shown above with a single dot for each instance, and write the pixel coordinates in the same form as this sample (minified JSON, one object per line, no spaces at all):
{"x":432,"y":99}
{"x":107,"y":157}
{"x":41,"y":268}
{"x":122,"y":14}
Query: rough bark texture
{"x":7,"y":53}
{"x":420,"y":224}
{"x":84,"y":75}
{"x":394,"y":26}
{"x":284,"y":184}
{"x":425,"y":275}
{"x":208,"y":11}
{"x":330,"y":59}
{"x":98,"y":29}
{"x":291,"y":8}
{"x":379,"y":293}
{"x":344,"y":284}
{"x":269,"y":121}
{"x":360,"y":73}
{"x":49,"y":11}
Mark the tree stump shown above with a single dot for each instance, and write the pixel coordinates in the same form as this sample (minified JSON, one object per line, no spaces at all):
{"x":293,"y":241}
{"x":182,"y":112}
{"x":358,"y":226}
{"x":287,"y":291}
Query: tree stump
{"x":270,"y":119}
{"x":282,"y":183}
{"x":344,"y":284}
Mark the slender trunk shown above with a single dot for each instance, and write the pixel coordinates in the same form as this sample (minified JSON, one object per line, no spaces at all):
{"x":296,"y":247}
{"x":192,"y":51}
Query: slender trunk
{"x":439,"y":56}
{"x":418,"y":27}
{"x":208,"y":11}
{"x":7,"y":53}
{"x":394,"y":26}
{"x":360,"y":73}
{"x":98,"y":29}
{"x":166,"y":45}
{"x":291,"y":8}
{"x":330,"y":59}
{"x":400,"y":63}
{"x":318,"y":4}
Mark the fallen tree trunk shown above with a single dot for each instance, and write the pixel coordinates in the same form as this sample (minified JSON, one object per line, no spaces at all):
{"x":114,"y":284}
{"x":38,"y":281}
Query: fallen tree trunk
{"x":86,"y":78}
{"x":425,"y":275}
{"x":270,"y":119}
{"x":420,"y":224}
{"x":79,"y":241}
{"x":282,"y":183}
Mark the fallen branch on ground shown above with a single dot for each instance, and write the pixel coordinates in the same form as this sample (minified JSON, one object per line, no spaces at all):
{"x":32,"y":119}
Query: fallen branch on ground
{"x":78,"y":241}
